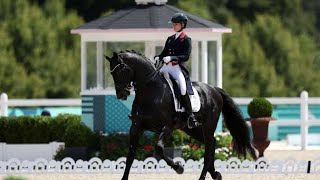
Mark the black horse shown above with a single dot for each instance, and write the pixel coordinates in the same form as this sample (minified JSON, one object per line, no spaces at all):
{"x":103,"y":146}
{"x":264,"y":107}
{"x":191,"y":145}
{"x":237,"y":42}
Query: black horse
{"x":153,"y":110}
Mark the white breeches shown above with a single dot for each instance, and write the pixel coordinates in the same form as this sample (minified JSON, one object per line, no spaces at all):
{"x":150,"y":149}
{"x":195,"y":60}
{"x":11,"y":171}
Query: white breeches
{"x":176,"y":73}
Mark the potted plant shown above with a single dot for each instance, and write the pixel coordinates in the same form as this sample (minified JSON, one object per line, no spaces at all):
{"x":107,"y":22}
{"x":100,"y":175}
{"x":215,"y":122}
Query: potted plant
{"x":260,"y":111}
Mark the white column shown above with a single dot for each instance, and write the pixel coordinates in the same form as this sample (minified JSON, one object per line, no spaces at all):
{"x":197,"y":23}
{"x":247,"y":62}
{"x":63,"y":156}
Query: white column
{"x":204,"y":61}
{"x":304,"y":113}
{"x":195,"y":61}
{"x":83,"y":65}
{"x":150,"y":49}
{"x":99,"y":57}
{"x":219,"y":61}
{"x":4,"y":104}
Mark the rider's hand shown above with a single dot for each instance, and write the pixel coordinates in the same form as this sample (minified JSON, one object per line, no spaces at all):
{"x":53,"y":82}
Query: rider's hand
{"x":156,"y":58}
{"x":167,"y":59}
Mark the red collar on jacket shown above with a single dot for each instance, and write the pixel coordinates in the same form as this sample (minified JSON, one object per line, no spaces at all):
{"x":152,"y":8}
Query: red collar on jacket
{"x":182,"y":35}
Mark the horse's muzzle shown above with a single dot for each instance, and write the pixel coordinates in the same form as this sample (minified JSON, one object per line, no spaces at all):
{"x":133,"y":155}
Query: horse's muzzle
{"x":123,"y":95}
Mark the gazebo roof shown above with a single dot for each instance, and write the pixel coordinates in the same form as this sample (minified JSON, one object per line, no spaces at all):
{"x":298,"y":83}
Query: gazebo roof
{"x":148,"y":17}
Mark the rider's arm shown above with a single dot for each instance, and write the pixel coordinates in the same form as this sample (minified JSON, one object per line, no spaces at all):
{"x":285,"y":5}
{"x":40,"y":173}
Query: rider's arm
{"x":164,"y":51}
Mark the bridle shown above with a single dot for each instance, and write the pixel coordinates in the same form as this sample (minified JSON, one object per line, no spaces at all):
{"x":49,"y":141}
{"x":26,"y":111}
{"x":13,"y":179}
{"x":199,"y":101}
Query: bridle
{"x":115,"y":67}
{"x":125,"y":86}
{"x":136,"y":84}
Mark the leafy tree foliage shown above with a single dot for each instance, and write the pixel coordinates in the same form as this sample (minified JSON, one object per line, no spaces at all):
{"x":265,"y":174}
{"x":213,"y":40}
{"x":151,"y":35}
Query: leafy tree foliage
{"x":39,"y":47}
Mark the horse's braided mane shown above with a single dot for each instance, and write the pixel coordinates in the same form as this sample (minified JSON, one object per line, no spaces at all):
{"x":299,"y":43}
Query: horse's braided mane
{"x":156,"y":65}
{"x":136,"y":53}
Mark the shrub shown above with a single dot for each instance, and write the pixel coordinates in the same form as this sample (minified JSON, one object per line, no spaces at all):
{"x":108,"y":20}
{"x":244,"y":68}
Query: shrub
{"x":259,"y":107}
{"x":35,"y":129}
{"x":115,"y":146}
{"x":77,"y":135}
{"x":25,"y":129}
{"x":2,"y":127}
{"x":194,"y":150}
{"x":59,"y":124}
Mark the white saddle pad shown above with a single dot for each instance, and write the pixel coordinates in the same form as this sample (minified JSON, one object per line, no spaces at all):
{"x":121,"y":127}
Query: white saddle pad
{"x":195,"y":98}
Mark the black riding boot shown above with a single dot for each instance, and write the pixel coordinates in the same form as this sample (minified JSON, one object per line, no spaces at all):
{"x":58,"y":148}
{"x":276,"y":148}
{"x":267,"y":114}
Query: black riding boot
{"x":192,"y":122}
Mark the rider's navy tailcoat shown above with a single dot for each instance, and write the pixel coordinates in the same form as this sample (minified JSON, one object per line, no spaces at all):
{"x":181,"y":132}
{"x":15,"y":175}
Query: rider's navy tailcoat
{"x":179,"y":49}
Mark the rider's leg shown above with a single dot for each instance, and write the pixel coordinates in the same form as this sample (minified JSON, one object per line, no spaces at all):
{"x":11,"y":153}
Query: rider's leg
{"x":177,"y":74}
{"x":165,"y":68}
{"x":192,"y":122}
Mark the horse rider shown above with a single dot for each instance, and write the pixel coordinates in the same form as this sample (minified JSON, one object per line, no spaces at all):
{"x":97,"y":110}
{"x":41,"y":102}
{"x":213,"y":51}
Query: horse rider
{"x":175,"y":53}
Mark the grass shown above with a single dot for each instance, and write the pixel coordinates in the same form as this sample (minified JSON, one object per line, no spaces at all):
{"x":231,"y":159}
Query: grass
{"x":14,"y":178}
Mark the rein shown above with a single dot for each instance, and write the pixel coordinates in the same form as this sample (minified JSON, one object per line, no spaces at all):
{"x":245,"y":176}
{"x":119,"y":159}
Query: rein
{"x":141,"y":84}
{"x":151,"y":76}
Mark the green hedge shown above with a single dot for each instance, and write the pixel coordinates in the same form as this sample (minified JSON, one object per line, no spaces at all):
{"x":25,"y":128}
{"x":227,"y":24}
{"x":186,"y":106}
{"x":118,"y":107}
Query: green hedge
{"x":69,"y":129}
{"x":42,"y":129}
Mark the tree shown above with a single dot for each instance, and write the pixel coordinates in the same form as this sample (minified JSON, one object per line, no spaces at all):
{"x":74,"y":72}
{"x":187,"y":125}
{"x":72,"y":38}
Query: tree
{"x":44,"y":47}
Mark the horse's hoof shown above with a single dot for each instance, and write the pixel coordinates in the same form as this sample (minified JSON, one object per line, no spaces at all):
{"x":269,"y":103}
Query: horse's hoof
{"x":178,"y":168}
{"x":217,"y":176}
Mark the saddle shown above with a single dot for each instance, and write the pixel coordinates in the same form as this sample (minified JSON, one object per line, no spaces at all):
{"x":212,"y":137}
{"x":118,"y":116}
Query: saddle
{"x":174,"y":86}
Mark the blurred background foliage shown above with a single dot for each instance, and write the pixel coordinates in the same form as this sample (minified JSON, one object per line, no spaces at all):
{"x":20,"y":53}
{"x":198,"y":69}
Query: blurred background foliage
{"x":272,"y":51}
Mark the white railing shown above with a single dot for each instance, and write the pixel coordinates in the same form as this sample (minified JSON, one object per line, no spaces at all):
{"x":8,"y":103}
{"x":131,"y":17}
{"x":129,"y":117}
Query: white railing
{"x":304,"y":122}
{"x":5,"y":103}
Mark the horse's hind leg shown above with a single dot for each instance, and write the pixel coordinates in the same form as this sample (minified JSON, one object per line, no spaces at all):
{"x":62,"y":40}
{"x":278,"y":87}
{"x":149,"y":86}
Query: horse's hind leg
{"x":136,"y":131}
{"x":164,"y":135}
{"x":209,"y":142}
{"x":214,"y":174}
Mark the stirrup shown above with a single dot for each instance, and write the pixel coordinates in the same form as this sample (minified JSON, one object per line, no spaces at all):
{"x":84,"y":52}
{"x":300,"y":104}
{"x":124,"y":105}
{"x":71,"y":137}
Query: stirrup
{"x":194,"y":123}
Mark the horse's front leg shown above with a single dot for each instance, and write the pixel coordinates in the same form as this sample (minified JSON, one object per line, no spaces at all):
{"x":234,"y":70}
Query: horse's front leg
{"x":136,"y":131}
{"x":164,"y":135}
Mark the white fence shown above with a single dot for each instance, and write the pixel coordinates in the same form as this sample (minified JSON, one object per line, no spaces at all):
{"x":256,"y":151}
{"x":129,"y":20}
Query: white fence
{"x":151,"y":165}
{"x":5,"y":103}
{"x":304,"y":101}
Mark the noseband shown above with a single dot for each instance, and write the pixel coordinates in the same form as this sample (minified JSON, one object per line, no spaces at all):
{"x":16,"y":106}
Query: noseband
{"x":121,"y":85}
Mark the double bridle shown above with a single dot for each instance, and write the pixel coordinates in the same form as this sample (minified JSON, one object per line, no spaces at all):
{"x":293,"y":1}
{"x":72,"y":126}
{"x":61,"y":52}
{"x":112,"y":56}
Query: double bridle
{"x":126,"y":86}
{"x":129,"y":85}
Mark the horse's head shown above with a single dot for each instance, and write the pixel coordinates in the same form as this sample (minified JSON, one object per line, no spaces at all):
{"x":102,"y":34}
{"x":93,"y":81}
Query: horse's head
{"x":122,"y":76}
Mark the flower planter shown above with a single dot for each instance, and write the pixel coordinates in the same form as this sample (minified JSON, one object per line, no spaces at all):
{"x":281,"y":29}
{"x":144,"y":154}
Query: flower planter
{"x":260,"y":127}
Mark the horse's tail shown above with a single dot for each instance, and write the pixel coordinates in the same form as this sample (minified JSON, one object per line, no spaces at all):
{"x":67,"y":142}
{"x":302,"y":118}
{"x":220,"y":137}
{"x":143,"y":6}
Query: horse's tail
{"x":237,"y":126}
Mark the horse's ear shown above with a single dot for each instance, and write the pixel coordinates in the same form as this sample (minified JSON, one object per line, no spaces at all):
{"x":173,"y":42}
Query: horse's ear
{"x":107,"y":57}
{"x":115,"y":55}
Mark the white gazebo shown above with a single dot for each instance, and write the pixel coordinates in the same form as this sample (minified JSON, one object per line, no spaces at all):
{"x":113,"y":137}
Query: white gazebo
{"x":146,"y":23}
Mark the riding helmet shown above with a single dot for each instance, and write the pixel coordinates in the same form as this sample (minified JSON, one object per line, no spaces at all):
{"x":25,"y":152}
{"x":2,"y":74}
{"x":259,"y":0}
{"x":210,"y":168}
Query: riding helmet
{"x":179,"y":18}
